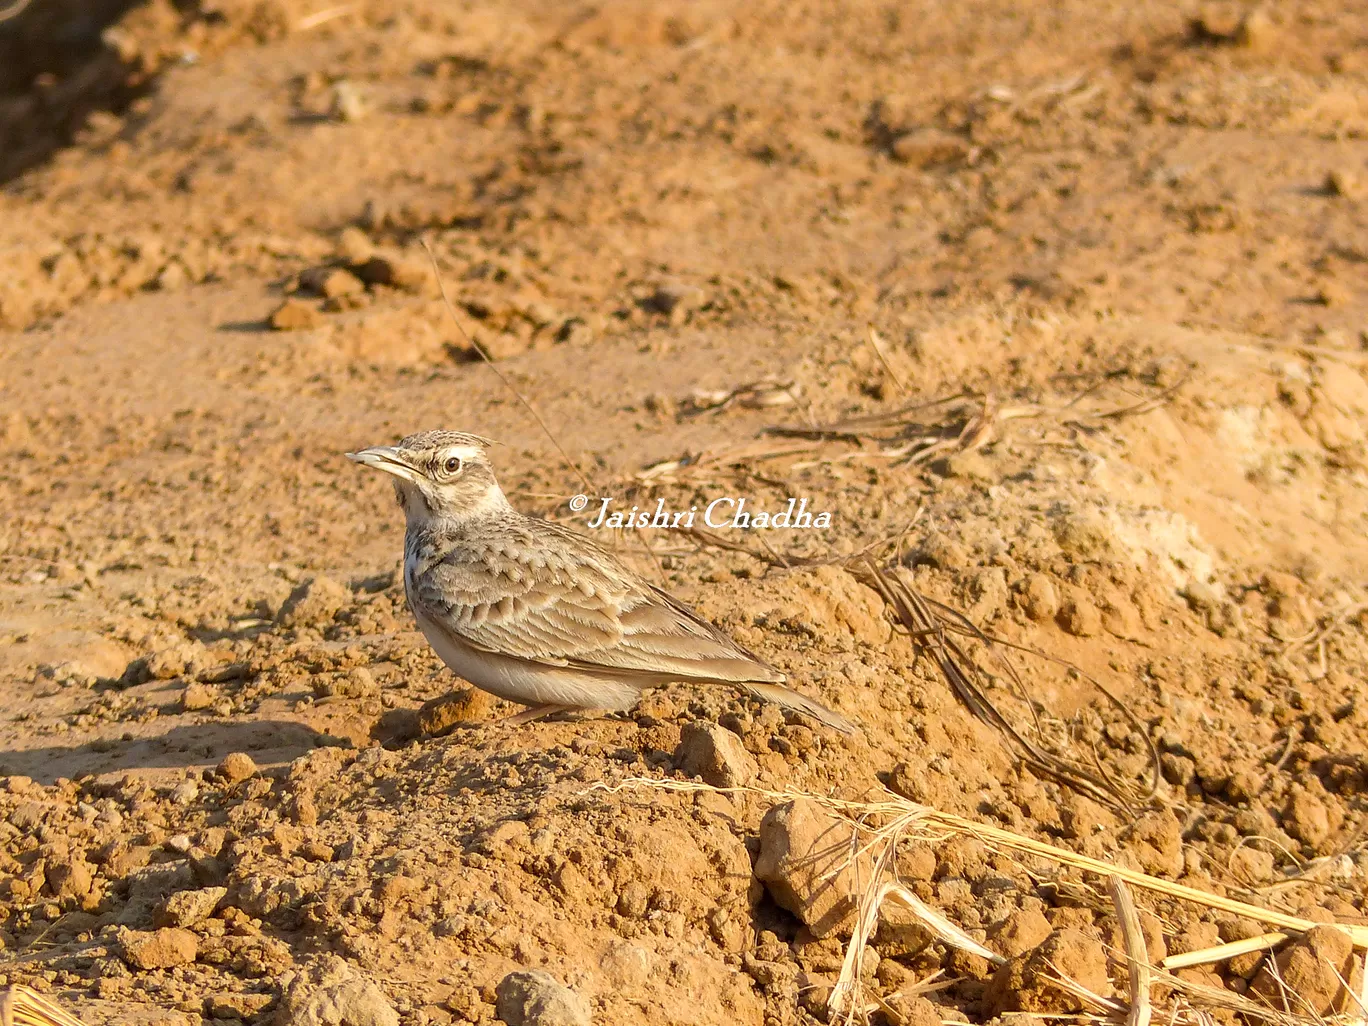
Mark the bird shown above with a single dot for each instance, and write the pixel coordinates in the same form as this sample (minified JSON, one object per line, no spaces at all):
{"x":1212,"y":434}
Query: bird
{"x":534,"y":612}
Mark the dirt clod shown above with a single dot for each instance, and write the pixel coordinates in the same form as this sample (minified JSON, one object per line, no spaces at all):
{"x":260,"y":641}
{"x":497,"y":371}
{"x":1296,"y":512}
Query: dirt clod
{"x":1022,"y":983}
{"x":1315,"y":969}
{"x":808,"y":864}
{"x":438,"y":716}
{"x":715,"y":754}
{"x":158,"y":949}
{"x":186,"y":908}
{"x":1022,"y":931}
{"x":236,"y":767}
{"x":329,"y":992}
{"x":295,"y":315}
{"x":534,"y":997}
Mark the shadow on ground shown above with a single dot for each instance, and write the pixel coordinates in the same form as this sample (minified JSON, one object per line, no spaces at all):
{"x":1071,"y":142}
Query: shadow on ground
{"x":56,"y":69}
{"x":266,"y":741}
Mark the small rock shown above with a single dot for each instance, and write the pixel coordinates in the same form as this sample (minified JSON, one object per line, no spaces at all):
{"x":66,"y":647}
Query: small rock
{"x":1021,"y":931}
{"x":914,"y":1010}
{"x":186,"y":908}
{"x":1078,"y":614}
{"x":814,"y":993}
{"x":198,"y":696}
{"x":68,"y":877}
{"x":1025,"y":983}
{"x":971,"y":466}
{"x":715,"y":754}
{"x":332,"y":993}
{"x":354,"y":246}
{"x":1201,"y":596}
{"x":1313,"y":969}
{"x":1249,"y":865}
{"x":236,"y":767}
{"x":1344,"y":183}
{"x":313,"y":603}
{"x":236,"y":1006}
{"x":295,"y":315}
{"x":532,"y":997}
{"x":807,"y":863}
{"x":158,"y":949}
{"x":440,"y":715}
{"x":330,"y":282}
{"x":1256,"y":32}
{"x":929,"y":148}
{"x":1332,"y":293}
{"x":1306,"y":818}
{"x":1156,"y":840}
{"x":1039,"y":598}
{"x":171,"y":277}
{"x":27,"y":816}
{"x":174,"y":660}
{"x":348,"y":104}
{"x":409,"y":276}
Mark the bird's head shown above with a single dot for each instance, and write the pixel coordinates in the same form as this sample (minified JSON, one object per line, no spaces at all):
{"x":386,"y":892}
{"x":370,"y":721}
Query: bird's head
{"x":443,"y":474}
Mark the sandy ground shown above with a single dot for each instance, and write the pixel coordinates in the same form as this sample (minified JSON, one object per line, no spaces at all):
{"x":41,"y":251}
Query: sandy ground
{"x":1124,"y":242}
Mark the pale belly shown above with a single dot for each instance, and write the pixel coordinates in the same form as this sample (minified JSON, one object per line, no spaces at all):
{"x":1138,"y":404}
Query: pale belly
{"x":527,"y":683}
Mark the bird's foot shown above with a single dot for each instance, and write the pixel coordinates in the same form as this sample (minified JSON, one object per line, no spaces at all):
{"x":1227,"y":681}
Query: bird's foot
{"x":537,"y":712}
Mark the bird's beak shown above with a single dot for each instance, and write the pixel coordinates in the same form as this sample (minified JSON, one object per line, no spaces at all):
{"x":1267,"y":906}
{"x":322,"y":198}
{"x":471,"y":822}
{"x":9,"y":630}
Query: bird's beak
{"x":386,"y":458}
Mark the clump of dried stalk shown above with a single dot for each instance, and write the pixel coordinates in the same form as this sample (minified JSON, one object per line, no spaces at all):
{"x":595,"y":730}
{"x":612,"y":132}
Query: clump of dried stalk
{"x":20,"y":1006}
{"x":914,"y":433}
{"x":881,"y":824}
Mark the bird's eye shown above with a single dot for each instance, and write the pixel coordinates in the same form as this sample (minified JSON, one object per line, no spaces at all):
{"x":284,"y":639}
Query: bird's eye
{"x":452,"y":465}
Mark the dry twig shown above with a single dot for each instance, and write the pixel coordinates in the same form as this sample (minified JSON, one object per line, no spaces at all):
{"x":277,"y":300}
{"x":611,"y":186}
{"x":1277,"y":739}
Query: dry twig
{"x":20,"y":1006}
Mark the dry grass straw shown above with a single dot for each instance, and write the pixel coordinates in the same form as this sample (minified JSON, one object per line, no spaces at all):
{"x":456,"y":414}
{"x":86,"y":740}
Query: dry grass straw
{"x":20,"y":1006}
{"x":881,"y":824}
{"x":921,"y":431}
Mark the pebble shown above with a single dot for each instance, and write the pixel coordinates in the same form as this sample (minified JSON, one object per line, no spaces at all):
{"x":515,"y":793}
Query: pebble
{"x":331,"y":993}
{"x":533,"y":997}
{"x":1313,"y":969}
{"x":348,"y":104}
{"x":929,"y":148}
{"x":1344,"y":183}
{"x":158,"y":949}
{"x":1039,"y":598}
{"x":198,"y":696}
{"x":714,"y":754}
{"x":330,"y":282}
{"x":1026,"y":982}
{"x":807,"y":866}
{"x":236,"y":767}
{"x":440,"y":715}
{"x":1022,"y":930}
{"x":186,"y":908}
{"x":406,"y":275}
{"x":1306,"y":818}
{"x":68,"y":877}
{"x":1078,"y":614}
{"x":313,"y":603}
{"x":295,"y":315}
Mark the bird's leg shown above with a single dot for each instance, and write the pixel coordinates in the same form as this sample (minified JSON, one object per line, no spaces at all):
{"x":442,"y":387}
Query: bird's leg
{"x":534,"y":713}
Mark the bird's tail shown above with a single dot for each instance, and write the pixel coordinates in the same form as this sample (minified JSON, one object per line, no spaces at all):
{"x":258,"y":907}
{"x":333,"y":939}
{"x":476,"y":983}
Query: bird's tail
{"x":790,"y":699}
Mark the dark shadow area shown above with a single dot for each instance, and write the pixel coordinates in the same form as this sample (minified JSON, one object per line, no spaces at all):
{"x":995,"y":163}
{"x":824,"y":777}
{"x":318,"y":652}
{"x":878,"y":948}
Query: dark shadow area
{"x":57,"y":66}
{"x":267,"y":741}
{"x":246,"y":327}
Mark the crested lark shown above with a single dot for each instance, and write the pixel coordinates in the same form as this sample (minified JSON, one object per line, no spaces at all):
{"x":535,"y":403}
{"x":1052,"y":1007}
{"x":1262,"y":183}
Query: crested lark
{"x":535,"y":613}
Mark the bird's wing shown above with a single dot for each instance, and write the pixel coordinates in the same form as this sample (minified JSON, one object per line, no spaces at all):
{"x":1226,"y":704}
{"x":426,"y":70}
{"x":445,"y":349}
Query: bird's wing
{"x":547,"y":595}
